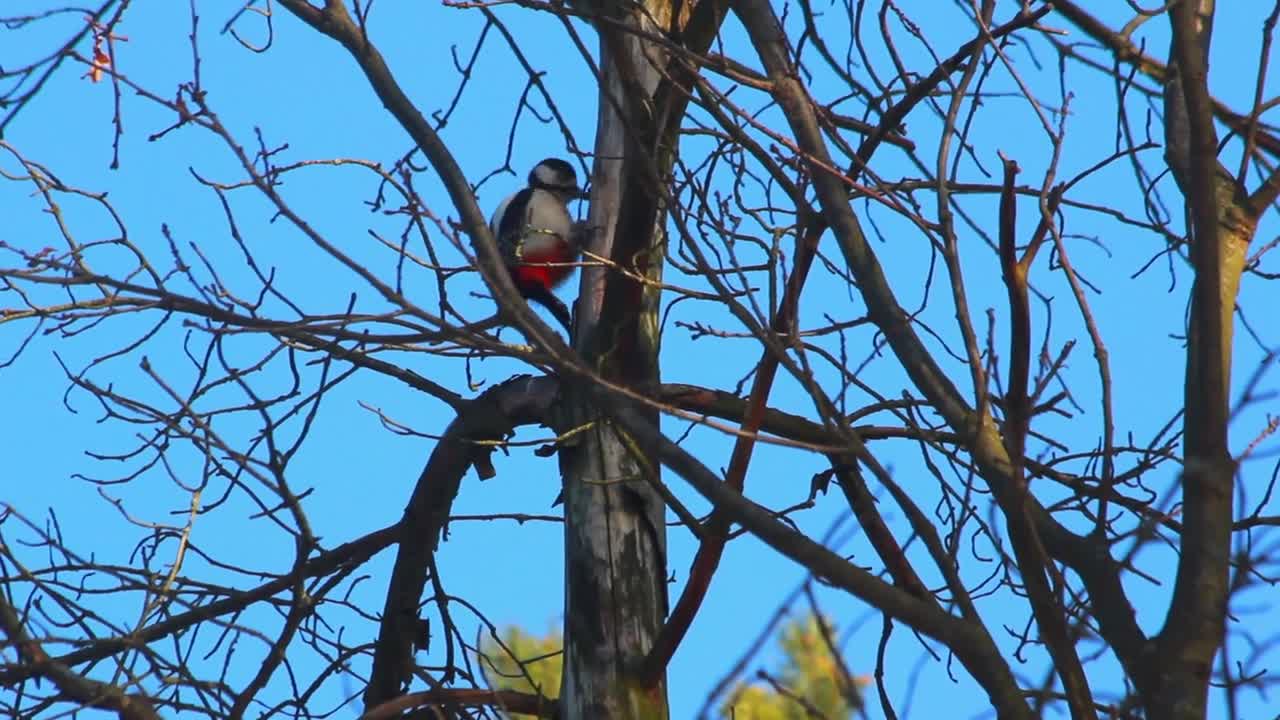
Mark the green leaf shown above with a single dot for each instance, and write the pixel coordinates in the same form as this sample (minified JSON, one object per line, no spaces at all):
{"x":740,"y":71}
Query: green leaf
{"x":523,"y":661}
{"x":808,"y":685}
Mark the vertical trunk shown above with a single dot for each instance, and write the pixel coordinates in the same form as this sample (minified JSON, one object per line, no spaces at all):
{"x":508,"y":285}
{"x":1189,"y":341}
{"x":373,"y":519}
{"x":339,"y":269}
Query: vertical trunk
{"x":615,"y":545}
{"x":1220,"y":226}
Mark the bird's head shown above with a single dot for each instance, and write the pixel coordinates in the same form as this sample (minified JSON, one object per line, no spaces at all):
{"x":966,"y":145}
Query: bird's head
{"x":557,"y":177}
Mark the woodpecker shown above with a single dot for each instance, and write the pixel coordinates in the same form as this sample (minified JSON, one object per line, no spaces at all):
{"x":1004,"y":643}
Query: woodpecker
{"x":537,"y":237}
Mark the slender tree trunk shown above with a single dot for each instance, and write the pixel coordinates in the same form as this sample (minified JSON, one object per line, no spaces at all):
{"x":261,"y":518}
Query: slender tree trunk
{"x":1220,"y":224}
{"x":615,"y":543}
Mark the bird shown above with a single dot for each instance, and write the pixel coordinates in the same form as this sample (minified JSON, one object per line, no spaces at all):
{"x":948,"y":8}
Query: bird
{"x":538,"y":239}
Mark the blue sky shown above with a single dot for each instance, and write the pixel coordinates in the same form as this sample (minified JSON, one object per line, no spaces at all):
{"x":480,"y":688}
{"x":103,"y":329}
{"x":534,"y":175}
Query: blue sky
{"x":306,"y":92}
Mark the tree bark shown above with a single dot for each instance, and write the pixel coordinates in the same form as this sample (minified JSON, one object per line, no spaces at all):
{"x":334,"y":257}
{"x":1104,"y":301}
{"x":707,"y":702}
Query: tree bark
{"x":1220,"y":224}
{"x":615,"y":542}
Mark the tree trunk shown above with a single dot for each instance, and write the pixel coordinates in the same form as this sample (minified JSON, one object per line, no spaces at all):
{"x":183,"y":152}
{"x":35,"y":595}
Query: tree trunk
{"x":615,"y":543}
{"x":1220,"y":225}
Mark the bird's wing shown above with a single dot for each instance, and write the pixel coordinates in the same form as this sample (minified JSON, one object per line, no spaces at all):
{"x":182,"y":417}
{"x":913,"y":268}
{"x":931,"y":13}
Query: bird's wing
{"x":507,"y":226}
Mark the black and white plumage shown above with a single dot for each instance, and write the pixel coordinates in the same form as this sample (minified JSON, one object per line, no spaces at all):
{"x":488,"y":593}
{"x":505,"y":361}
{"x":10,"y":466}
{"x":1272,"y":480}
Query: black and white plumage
{"x":538,"y":238}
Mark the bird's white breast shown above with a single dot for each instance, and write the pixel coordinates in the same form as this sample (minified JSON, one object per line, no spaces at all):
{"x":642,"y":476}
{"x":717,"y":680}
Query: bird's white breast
{"x":545,"y":220}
